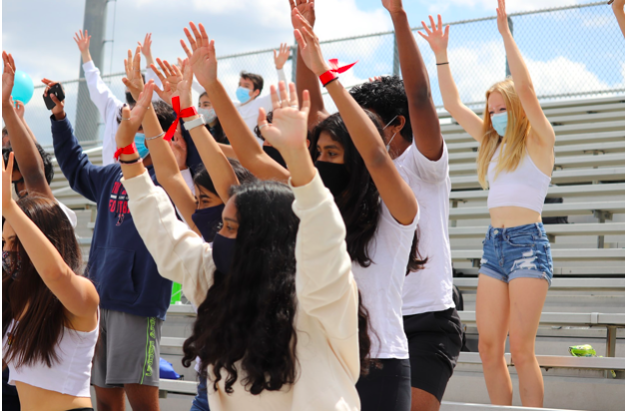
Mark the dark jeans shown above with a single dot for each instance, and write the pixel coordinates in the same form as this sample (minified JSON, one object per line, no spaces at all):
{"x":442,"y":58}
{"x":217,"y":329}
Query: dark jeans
{"x":200,"y":402}
{"x":386,"y":388}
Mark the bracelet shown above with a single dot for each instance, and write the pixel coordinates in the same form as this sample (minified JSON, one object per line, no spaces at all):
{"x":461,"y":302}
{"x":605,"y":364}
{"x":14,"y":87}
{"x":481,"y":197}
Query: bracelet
{"x":134,"y":161}
{"x":155,"y":137}
{"x":327,"y":77}
{"x":442,"y":64}
{"x":335,"y":78}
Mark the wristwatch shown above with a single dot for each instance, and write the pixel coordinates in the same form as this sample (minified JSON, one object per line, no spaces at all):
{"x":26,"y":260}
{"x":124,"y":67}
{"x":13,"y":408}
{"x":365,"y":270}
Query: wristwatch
{"x":190,"y":125}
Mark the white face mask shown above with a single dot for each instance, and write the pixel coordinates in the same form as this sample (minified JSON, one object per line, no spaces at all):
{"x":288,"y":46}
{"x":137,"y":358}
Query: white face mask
{"x":208,"y":114}
{"x":388,"y":145}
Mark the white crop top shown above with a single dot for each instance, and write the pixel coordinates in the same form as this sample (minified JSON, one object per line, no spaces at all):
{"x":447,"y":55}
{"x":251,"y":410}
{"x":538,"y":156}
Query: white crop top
{"x":71,"y":375}
{"x":525,"y":187}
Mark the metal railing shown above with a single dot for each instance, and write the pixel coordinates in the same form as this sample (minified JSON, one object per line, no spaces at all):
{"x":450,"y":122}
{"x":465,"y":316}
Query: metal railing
{"x":572,"y":52}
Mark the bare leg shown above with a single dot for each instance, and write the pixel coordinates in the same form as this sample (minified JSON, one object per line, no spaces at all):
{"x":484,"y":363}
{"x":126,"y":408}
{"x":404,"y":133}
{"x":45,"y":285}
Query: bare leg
{"x":424,"y":401}
{"x":142,"y":397}
{"x":492,"y":312}
{"x":110,"y":399}
{"x":527,"y":297}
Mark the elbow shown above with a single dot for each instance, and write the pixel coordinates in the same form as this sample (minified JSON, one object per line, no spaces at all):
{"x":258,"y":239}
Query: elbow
{"x":525,"y":89}
{"x":421,"y":95}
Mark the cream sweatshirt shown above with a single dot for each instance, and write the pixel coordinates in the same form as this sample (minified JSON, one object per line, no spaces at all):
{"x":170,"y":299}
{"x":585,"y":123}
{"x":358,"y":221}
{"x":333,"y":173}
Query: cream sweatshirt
{"x":327,"y":312}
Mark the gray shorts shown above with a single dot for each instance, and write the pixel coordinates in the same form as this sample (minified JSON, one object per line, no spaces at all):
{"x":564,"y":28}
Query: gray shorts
{"x":128,"y":351}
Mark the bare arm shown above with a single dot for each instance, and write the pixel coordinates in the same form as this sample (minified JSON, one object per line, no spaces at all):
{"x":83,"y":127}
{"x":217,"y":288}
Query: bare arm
{"x":523,"y":82}
{"x":438,"y":39}
{"x":423,"y":117}
{"x":394,"y":191}
{"x":243,"y":141}
{"x":26,"y":153}
{"x":20,"y":109}
{"x":305,"y":79}
{"x":77,"y":294}
{"x":619,"y":12}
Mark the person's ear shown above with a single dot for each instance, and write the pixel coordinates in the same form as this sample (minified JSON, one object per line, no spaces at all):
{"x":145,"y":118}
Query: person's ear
{"x":255,"y":93}
{"x":402,"y":123}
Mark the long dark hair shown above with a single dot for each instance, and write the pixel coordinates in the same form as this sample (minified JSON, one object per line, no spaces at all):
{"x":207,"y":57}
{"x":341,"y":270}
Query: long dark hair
{"x":248,"y":314}
{"x":360,"y":203}
{"x":25,"y":296}
{"x":203,"y":179}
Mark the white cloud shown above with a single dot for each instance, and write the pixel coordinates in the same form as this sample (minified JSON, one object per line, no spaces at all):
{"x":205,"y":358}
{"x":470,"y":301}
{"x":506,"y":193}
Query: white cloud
{"x":514,"y":5}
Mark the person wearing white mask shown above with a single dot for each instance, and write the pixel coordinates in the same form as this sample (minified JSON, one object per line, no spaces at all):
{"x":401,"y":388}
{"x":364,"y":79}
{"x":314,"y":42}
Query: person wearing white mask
{"x":205,"y":108}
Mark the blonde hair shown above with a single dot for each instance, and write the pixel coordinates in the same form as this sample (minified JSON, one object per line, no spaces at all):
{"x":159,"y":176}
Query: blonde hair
{"x":516,"y":134}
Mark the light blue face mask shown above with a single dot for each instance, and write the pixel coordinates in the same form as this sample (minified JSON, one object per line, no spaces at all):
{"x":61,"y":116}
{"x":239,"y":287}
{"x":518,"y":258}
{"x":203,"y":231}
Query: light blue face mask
{"x":140,"y":143}
{"x":243,"y":95}
{"x":500,"y":123}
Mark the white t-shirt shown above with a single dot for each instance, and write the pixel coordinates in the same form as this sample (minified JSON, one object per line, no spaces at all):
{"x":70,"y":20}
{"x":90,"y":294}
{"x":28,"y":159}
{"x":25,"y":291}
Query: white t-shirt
{"x":381,"y":284}
{"x":429,"y":289}
{"x":71,"y":215}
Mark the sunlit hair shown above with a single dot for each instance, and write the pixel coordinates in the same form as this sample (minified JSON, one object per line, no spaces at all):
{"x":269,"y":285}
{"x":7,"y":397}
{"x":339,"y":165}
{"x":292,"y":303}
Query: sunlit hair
{"x":516,"y":134}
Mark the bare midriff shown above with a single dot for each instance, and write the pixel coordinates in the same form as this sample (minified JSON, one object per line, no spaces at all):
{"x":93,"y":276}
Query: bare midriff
{"x":504,"y":217}
{"x":37,"y":399}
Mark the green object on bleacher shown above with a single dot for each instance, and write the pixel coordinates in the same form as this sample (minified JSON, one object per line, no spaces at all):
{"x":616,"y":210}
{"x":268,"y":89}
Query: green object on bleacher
{"x":176,"y":293}
{"x":585,"y":350}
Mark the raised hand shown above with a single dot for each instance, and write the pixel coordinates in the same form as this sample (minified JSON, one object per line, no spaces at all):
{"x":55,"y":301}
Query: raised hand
{"x":8,"y":77}
{"x":170,"y":77}
{"x":82,"y":40}
{"x":131,"y":120}
{"x":201,"y":55}
{"x":133,"y":79}
{"x":393,"y":6}
{"x":146,"y":48}
{"x":309,"y":45}
{"x":59,"y":108}
{"x":437,"y":37}
{"x":183,"y":87}
{"x":7,"y":179}
{"x":288,"y":129}
{"x":502,"y":18}
{"x":306,"y":8}
{"x":20,"y":109}
{"x":281,"y":56}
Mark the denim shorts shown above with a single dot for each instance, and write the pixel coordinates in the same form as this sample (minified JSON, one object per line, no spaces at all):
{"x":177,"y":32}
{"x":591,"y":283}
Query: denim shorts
{"x":517,"y":252}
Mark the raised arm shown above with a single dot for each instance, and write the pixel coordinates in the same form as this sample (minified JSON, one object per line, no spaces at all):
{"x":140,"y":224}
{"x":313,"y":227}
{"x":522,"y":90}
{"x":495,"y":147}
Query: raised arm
{"x":146,"y":50}
{"x":395,"y":192}
{"x":423,"y":117}
{"x":618,"y":7}
{"x":180,"y":254}
{"x":437,"y":38}
{"x":26,"y":153}
{"x":77,"y":294}
{"x":20,"y":109}
{"x":243,"y":141}
{"x":325,"y":286}
{"x":523,"y":82}
{"x":305,"y":79}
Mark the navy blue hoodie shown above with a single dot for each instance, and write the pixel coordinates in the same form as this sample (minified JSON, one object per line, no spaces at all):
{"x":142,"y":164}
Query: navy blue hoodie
{"x":120,"y":265}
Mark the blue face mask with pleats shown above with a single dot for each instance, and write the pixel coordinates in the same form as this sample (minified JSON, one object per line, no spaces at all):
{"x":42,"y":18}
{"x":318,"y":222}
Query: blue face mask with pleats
{"x":243,"y":95}
{"x":141,"y":147}
{"x":500,"y":123}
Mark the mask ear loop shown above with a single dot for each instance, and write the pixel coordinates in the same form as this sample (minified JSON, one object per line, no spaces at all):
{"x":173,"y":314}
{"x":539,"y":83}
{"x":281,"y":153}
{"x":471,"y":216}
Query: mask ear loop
{"x":388,"y":145}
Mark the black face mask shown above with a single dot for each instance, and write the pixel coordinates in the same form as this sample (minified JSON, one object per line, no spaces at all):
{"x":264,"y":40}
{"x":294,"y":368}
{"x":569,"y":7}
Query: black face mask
{"x":223,"y":252}
{"x":207,"y":221}
{"x":334,"y":176}
{"x":275,"y":154}
{"x":129,"y":99}
{"x":11,"y":263}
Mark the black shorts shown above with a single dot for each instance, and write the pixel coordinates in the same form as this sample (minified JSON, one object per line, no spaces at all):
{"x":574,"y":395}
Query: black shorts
{"x":386,"y":387}
{"x":434,"y":343}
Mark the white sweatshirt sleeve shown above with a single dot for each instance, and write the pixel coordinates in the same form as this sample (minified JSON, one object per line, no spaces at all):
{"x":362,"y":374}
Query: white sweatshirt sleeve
{"x":180,"y":254}
{"x":325,"y":286}
{"x":100,"y":93}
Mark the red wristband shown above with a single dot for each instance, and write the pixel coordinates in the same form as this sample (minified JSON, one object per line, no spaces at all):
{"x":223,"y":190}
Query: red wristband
{"x":187,"y":112}
{"x":131,"y":149}
{"x":327,"y":77}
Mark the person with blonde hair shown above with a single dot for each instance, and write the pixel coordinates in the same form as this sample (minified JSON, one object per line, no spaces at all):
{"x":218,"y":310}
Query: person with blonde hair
{"x":515,"y":161}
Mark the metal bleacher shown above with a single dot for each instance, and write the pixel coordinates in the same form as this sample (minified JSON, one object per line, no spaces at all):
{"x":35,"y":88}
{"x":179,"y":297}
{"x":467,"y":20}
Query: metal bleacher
{"x":586,"y":303}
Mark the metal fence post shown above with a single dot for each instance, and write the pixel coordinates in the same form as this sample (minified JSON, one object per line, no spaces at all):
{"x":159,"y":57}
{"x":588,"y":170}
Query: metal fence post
{"x":395,"y":56}
{"x":294,"y":63}
{"x":511,"y":25}
{"x":87,"y":115}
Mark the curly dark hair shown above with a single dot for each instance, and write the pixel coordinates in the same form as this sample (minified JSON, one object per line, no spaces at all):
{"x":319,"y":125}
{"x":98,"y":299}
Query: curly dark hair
{"x":248,"y":315}
{"x":387,"y":98}
{"x":360,"y":203}
{"x":48,"y":168}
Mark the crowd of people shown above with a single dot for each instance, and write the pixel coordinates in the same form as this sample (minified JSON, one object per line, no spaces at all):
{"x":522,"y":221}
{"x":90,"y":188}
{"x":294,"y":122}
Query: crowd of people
{"x":314,"y":246}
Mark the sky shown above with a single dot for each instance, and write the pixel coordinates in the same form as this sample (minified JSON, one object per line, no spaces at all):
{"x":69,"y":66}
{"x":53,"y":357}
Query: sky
{"x":39,"y":36}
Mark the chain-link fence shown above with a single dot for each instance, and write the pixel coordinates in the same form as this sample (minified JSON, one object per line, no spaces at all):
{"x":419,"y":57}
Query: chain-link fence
{"x":571,"y":52}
